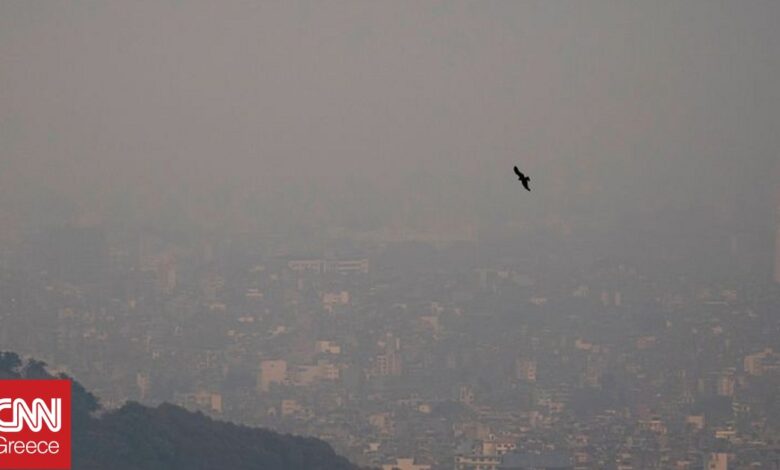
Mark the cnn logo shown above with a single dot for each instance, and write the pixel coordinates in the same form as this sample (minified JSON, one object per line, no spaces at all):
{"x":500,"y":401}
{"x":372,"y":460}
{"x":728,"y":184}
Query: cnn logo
{"x":35,"y":419}
{"x":34,"y":416}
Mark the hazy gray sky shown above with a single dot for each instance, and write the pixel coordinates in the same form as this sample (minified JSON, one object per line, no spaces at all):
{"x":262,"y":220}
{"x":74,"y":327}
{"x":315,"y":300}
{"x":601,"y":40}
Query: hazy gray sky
{"x":625,"y":102}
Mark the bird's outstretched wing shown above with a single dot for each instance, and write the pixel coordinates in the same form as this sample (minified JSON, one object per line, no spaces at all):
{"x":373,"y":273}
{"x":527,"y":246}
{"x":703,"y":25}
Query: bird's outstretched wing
{"x":517,"y":172}
{"x":525,"y":183}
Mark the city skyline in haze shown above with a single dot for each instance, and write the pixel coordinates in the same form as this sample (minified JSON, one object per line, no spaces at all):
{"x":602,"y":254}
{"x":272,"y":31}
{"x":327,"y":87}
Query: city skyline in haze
{"x":305,"y":216}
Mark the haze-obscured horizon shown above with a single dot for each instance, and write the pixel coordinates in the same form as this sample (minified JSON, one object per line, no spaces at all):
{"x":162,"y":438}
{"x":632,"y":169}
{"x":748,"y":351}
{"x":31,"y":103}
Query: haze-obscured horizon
{"x":302,"y":216}
{"x":237,"y":116}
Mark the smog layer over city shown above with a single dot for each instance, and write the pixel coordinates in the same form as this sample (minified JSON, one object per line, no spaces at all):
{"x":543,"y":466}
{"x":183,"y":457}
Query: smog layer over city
{"x":288,"y":234}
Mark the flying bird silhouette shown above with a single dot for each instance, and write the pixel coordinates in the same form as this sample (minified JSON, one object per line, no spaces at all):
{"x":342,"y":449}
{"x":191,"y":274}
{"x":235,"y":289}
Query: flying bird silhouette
{"x":524,"y":179}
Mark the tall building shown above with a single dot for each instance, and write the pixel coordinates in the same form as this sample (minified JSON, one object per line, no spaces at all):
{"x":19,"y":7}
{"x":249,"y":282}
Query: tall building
{"x":390,"y":362}
{"x":717,"y":461}
{"x":525,"y":369}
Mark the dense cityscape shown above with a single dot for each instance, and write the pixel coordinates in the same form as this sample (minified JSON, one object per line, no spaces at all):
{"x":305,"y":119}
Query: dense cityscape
{"x":413,"y":354}
{"x":390,"y":235}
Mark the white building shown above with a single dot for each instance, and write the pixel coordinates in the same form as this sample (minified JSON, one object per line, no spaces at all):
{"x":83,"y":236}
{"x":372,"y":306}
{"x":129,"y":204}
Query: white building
{"x":405,"y":464}
{"x":717,"y":461}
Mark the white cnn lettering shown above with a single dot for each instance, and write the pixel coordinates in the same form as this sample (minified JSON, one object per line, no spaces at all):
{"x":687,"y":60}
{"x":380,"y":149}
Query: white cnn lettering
{"x":35,"y":416}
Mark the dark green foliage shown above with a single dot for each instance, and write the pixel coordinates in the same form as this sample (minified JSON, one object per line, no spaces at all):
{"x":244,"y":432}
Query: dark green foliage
{"x":10,"y":363}
{"x":136,"y":437}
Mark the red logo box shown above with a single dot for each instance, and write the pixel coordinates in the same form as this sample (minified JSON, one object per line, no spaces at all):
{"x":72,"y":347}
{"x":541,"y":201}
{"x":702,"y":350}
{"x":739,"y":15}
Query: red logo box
{"x":35,"y":424}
